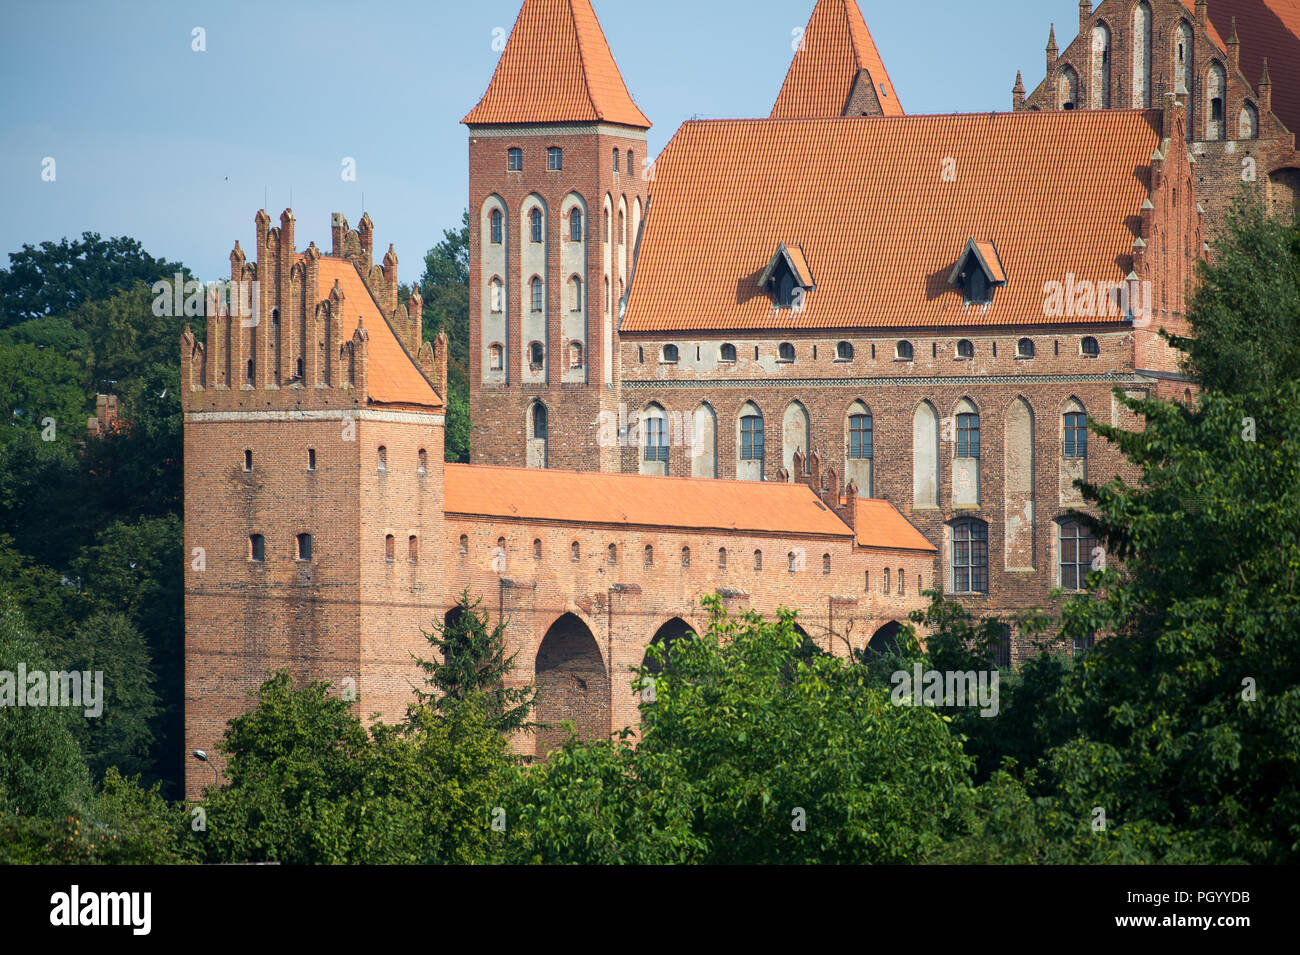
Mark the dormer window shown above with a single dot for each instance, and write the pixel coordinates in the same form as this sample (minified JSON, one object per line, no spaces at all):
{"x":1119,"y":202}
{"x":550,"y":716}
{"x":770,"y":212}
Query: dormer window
{"x":978,"y":272}
{"x":787,"y":277}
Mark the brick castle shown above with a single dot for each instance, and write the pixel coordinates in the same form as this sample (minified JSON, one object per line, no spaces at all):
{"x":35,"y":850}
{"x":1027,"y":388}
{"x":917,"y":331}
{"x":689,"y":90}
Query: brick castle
{"x":824,"y":360}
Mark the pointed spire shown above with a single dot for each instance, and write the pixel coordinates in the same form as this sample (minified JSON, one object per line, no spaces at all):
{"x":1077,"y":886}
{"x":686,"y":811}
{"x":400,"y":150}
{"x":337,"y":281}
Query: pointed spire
{"x":557,"y":67}
{"x":1051,"y":51}
{"x":1018,"y":93}
{"x":1265,"y":89}
{"x":836,"y":67}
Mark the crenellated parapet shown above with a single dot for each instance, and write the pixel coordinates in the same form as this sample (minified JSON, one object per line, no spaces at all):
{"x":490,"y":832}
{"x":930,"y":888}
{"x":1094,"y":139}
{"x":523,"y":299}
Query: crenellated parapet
{"x":292,"y":330}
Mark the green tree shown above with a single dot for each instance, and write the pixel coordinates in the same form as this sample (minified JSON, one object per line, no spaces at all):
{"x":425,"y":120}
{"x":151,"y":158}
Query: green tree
{"x":752,"y":751}
{"x":1245,"y":313}
{"x":470,"y":662}
{"x":309,"y":784}
{"x":122,"y":735}
{"x":54,"y":278}
{"x":136,"y":568}
{"x":41,"y":771}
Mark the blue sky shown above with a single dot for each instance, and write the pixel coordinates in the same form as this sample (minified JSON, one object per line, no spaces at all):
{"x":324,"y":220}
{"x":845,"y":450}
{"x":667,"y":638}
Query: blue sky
{"x":177,"y":148}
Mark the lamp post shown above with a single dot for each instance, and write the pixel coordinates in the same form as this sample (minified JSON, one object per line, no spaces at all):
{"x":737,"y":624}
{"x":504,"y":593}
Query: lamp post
{"x":202,"y":757}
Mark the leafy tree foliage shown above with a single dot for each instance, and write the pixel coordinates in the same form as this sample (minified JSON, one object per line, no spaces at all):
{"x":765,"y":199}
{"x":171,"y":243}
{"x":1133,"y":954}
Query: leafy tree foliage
{"x":123,"y":735}
{"x":41,"y":772}
{"x":1245,"y":314}
{"x":309,"y":784}
{"x":54,"y":278}
{"x":752,"y":751}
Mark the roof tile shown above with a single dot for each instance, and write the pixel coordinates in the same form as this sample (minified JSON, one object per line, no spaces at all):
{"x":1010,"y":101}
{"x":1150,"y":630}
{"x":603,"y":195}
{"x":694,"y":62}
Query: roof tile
{"x":836,"y":47}
{"x":867,"y":202}
{"x":637,"y":500}
{"x":879,"y":524}
{"x":557,"y":68}
{"x":1267,"y":29}
{"x":392,"y":375}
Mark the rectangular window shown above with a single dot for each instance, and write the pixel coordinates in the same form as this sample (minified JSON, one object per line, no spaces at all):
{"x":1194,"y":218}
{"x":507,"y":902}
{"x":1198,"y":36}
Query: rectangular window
{"x":970,"y":558}
{"x":1076,"y":435}
{"x":751,"y":438}
{"x":516,"y":159}
{"x":860,"y":436}
{"x":311,"y":459}
{"x":656,"y":439}
{"x":968,"y":436}
{"x":554,"y":157}
{"x":1077,"y":545}
{"x":1002,"y":651}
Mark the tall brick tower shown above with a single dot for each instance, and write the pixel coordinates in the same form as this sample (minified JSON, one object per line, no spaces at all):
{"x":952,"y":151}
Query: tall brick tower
{"x":557,"y":193}
{"x":313,"y":446}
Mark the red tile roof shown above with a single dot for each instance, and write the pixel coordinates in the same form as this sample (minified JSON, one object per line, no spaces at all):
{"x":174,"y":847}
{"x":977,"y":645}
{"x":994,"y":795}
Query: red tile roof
{"x":573,"y":497}
{"x":1214,"y":33}
{"x":989,"y":255}
{"x":1267,"y":28}
{"x":865,"y":199}
{"x":879,"y":524}
{"x":556,"y":68}
{"x":836,"y":46}
{"x":393,"y":377}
